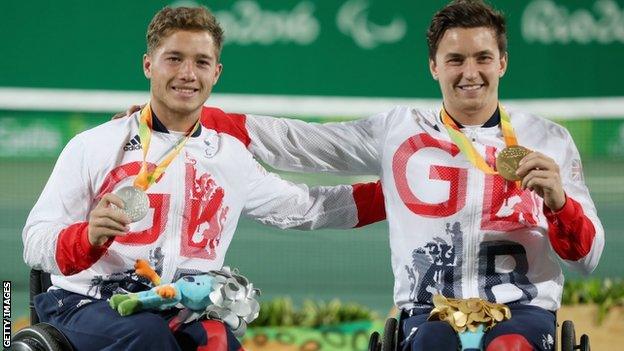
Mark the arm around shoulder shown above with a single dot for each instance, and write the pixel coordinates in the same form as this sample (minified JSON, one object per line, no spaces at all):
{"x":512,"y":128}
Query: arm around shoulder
{"x":344,"y":147}
{"x":277,"y":202}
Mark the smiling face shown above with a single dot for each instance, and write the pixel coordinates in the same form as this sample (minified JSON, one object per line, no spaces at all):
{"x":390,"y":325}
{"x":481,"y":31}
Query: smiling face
{"x":182,"y":71}
{"x":468,"y":65}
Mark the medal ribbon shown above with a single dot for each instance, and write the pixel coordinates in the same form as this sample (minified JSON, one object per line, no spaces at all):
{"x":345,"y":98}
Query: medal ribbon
{"x":466,"y":147}
{"x":146,"y":178}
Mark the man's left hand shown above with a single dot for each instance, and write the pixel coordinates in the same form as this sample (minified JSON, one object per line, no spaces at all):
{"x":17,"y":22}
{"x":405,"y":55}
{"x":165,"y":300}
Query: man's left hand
{"x":132,"y":109}
{"x":540,"y":173}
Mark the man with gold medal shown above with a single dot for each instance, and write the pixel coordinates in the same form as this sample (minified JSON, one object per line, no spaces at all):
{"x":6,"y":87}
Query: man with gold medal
{"x":483,"y":203}
{"x":167,"y":184}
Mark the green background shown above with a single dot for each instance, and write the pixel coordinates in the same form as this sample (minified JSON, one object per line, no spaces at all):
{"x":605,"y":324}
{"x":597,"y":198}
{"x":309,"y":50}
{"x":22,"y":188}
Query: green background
{"x":99,"y":45}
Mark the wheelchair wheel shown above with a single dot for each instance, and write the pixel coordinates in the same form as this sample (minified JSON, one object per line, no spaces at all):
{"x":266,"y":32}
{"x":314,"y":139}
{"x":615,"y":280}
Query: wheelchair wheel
{"x":40,"y":337}
{"x":389,"y":341}
{"x":568,"y":337}
{"x":373,"y":342}
{"x":584,"y":345}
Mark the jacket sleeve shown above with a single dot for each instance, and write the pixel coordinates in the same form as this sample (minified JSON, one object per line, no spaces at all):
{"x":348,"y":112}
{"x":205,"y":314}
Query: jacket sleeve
{"x":575,"y":231}
{"x":277,"y":202}
{"x":294,"y":145}
{"x":55,"y":236}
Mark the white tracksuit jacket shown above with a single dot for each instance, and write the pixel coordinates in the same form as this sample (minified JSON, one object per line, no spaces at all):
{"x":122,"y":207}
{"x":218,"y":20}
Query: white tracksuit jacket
{"x":194,"y":206}
{"x":453,"y":229}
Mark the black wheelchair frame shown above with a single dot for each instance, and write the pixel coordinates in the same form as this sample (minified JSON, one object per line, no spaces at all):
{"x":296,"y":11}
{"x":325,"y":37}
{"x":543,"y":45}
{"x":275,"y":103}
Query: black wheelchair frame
{"x":392,"y":334}
{"x":39,"y":336}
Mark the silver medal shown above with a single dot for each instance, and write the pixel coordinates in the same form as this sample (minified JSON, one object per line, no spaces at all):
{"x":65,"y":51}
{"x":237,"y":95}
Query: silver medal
{"x":135,"y":201}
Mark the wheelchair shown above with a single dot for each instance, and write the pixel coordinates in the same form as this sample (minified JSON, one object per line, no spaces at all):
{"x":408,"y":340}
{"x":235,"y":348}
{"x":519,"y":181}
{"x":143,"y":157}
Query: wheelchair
{"x":392,"y":335}
{"x":39,"y":336}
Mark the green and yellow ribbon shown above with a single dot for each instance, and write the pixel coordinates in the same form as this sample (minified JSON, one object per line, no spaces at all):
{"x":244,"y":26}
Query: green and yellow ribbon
{"x":466,"y":147}
{"x":146,"y":178}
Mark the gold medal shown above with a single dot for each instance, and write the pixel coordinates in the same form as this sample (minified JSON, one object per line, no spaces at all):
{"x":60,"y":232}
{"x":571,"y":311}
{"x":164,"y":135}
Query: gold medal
{"x":508,"y":159}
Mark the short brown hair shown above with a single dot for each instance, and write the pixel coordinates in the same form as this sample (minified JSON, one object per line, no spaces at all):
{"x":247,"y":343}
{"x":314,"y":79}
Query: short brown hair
{"x":466,"y":14}
{"x":170,"y":19}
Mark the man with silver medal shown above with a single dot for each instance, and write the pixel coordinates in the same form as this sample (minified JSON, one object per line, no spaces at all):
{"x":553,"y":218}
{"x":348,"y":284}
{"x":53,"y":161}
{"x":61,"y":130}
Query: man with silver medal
{"x":175,"y":200}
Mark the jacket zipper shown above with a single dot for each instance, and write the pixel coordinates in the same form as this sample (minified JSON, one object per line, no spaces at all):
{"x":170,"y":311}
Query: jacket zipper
{"x":472,"y":233}
{"x":173,"y":231}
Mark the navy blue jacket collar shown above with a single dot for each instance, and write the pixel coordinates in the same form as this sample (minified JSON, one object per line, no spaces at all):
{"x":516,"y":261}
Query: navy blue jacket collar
{"x":158,"y":126}
{"x":492,"y":122}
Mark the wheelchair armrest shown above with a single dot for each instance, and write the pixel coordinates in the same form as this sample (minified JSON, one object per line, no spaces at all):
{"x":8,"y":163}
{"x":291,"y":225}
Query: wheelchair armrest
{"x":39,"y":282}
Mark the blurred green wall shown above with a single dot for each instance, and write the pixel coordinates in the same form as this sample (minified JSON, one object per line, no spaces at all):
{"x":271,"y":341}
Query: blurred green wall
{"x":562,"y":48}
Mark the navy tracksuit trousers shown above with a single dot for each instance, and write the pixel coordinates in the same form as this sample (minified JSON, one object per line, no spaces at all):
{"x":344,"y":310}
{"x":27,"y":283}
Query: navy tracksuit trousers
{"x":535,"y":325}
{"x":91,"y":324}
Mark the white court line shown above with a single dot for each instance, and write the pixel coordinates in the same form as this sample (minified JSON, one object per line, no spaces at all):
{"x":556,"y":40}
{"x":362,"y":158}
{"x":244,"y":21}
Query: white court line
{"x":29,"y":99}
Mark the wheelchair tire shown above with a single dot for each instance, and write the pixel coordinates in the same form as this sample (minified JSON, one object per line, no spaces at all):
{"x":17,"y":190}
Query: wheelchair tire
{"x":373,"y":342}
{"x":389,"y":340}
{"x":568,"y":336}
{"x":40,"y":337}
{"x":584,"y":345}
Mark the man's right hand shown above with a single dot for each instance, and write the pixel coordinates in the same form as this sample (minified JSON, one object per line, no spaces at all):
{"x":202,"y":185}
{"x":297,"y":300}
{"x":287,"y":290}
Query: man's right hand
{"x":106,"y":222}
{"x":132,"y":109}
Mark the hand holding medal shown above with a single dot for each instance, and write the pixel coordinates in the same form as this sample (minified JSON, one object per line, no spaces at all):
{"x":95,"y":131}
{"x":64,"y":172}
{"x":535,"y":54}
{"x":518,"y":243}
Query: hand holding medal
{"x":540,"y":173}
{"x":508,"y":159}
{"x":532,"y":170}
{"x":105,"y":221}
{"x":130,"y":204}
